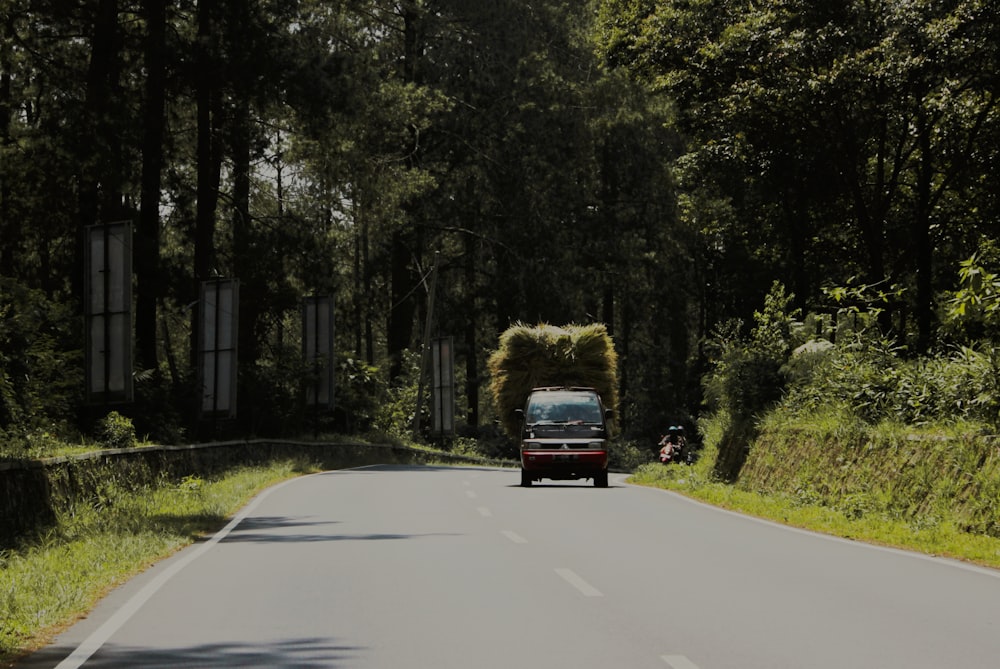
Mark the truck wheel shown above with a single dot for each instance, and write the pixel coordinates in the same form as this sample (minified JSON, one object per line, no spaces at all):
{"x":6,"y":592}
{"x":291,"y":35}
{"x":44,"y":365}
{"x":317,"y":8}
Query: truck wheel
{"x":525,"y":479}
{"x":601,"y":480}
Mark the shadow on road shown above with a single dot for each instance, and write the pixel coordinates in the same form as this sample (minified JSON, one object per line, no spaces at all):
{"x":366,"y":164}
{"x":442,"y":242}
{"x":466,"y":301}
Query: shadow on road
{"x":299,"y":653}
{"x":274,"y":529}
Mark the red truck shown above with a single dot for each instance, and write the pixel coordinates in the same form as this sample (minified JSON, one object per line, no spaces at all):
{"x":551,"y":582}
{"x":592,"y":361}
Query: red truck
{"x":564,"y":435}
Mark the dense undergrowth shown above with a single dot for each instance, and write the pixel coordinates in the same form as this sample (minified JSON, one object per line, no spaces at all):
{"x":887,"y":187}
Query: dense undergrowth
{"x":843,"y":430}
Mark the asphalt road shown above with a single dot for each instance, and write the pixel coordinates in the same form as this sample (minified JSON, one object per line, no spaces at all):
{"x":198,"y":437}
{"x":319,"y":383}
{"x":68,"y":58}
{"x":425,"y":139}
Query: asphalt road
{"x":460,"y":567}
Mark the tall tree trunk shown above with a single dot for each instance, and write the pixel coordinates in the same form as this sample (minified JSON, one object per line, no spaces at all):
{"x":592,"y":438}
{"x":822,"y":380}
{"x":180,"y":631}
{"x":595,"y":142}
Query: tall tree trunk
{"x":359,"y":283}
{"x":147,"y":241}
{"x":922,"y":240}
{"x":9,"y":232}
{"x":99,"y":158}
{"x":366,"y":263}
{"x":245,"y":264}
{"x":471,"y":328}
{"x":404,"y":308}
{"x":208,"y":158}
{"x":404,"y":245}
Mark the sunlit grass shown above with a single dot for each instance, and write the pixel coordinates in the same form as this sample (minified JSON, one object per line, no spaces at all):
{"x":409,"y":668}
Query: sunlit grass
{"x":931,"y":536}
{"x":62,"y":574}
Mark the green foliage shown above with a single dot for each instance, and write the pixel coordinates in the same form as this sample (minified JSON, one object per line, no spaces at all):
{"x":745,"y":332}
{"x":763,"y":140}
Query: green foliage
{"x":869,"y":378}
{"x":270,"y":393}
{"x":116,"y":431}
{"x":829,"y":143}
{"x":975,"y":306}
{"x":394,"y":415}
{"x":869,"y":299}
{"x":746,"y":376}
{"x":40,"y":364}
{"x":359,"y":394}
{"x":922,"y":477}
{"x":627,"y":455}
{"x":157,"y":411}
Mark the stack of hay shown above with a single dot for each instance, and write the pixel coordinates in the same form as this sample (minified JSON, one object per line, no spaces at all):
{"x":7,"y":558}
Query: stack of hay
{"x":546,"y":355}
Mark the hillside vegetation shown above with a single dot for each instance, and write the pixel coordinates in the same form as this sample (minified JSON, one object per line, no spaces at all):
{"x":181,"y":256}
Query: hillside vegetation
{"x":845,"y":431}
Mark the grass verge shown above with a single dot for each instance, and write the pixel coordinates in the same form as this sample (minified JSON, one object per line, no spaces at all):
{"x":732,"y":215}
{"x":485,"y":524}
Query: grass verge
{"x":51,"y":581}
{"x":935,"y":536}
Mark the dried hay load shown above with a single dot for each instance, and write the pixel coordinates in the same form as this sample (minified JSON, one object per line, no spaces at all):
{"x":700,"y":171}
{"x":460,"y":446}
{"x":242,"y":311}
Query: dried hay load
{"x":547,"y":355}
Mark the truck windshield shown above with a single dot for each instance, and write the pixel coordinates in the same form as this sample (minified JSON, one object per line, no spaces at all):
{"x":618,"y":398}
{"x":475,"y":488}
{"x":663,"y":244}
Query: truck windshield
{"x":565,"y":409}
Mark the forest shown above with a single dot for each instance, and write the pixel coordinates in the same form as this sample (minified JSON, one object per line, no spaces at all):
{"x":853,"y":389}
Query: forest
{"x":705,"y":177}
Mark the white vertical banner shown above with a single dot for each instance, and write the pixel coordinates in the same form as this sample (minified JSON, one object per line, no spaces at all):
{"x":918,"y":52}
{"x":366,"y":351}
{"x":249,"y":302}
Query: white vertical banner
{"x":108,"y":312}
{"x":317,"y":350}
{"x":443,"y":385}
{"x":217,"y":346}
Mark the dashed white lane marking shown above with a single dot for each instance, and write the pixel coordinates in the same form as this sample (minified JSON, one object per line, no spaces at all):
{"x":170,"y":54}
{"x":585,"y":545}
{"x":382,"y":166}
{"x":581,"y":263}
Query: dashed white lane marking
{"x":573,"y":579}
{"x":484,"y":512}
{"x":678,"y":662}
{"x":471,"y":494}
{"x":514,"y":536}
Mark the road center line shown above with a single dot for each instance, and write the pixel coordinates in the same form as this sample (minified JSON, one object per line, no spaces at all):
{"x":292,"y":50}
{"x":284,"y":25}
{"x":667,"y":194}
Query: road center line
{"x":573,"y":579}
{"x":471,"y":494}
{"x":484,"y":512}
{"x":514,"y":536}
{"x":678,"y":662}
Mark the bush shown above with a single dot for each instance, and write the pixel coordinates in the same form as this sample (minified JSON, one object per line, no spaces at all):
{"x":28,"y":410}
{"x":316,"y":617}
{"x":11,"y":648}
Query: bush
{"x":394,"y":415}
{"x":869,"y":378}
{"x":116,"y":431}
{"x":41,"y":365}
{"x":358,"y":394}
{"x":628,"y":455}
{"x":746,"y":378}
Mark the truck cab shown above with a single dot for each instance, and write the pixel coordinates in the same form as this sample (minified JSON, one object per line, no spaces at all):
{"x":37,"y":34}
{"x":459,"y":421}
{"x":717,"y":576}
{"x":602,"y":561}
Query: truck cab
{"x":564,"y":435}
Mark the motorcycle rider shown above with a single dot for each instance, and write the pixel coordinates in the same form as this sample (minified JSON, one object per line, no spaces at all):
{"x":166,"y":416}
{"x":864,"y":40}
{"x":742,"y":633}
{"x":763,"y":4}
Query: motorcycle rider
{"x":672,"y":444}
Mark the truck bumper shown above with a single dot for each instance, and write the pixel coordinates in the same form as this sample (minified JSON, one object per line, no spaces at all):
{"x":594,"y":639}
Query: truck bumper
{"x":563,"y":463}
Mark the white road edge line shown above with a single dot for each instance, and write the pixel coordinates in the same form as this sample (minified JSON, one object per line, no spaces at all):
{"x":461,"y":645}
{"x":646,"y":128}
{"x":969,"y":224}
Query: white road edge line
{"x":678,"y":662}
{"x":574,"y":579}
{"x":514,"y":536}
{"x":957,"y":564}
{"x":99,"y":637}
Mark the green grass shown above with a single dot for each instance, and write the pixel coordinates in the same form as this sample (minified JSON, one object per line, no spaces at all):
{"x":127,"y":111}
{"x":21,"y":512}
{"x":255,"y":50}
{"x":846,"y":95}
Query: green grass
{"x":932,"y":536}
{"x":47,"y":584}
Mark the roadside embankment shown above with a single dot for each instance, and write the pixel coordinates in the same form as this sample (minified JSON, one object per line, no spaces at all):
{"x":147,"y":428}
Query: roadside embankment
{"x":901,"y":475}
{"x":32,"y":492}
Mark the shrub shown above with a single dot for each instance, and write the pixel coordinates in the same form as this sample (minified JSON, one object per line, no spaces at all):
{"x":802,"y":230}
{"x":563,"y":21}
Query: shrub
{"x":394,"y":415}
{"x":40,"y":363}
{"x":746,"y":378}
{"x":973,"y":310}
{"x":358,"y":394}
{"x":870,"y":379}
{"x":116,"y":431}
